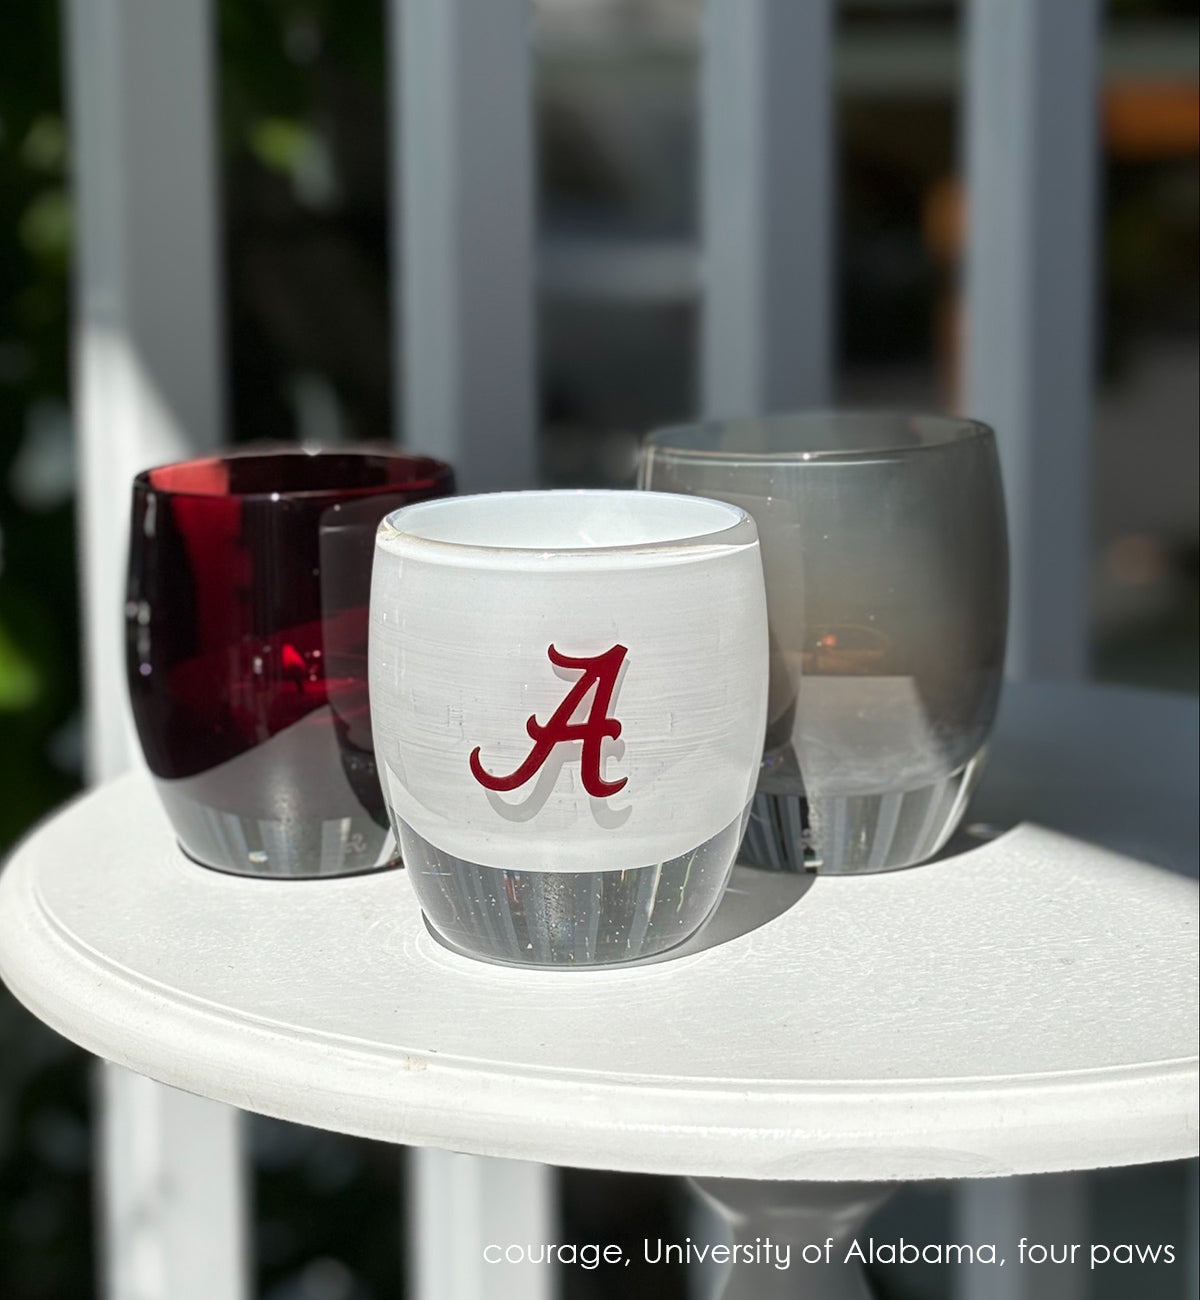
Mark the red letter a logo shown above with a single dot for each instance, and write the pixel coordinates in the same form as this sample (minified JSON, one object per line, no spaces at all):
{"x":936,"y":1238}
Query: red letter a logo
{"x":599,"y":671}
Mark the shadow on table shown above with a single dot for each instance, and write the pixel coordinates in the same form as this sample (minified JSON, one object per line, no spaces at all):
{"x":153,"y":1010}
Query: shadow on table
{"x":753,"y":898}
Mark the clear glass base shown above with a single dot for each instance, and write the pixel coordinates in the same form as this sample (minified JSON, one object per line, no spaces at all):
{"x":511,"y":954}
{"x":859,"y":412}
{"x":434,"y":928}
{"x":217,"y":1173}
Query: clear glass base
{"x":568,"y":918}
{"x":296,"y":848}
{"x":857,"y":833}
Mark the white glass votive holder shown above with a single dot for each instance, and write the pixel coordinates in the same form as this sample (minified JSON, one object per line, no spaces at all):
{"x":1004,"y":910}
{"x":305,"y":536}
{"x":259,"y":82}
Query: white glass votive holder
{"x":568,"y":691}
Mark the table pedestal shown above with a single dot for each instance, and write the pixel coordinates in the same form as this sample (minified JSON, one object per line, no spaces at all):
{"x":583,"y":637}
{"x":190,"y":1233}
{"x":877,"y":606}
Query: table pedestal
{"x":764,"y":1218}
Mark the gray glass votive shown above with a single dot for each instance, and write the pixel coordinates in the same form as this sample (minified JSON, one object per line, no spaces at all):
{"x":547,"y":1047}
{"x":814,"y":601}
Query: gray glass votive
{"x":885,"y":557}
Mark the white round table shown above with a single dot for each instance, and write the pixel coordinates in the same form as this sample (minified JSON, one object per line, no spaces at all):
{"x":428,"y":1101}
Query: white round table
{"x":1024,"y":1006}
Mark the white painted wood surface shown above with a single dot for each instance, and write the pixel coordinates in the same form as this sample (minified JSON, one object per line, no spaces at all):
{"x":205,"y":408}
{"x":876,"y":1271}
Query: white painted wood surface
{"x":767,"y":205}
{"x":940,"y":1022}
{"x":1031,"y":144}
{"x":148,"y":388}
{"x":463,"y":236}
{"x":1121,"y":768}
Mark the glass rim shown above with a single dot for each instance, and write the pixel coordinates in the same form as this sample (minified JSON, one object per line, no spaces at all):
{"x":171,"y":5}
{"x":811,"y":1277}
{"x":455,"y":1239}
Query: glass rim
{"x":429,"y":472}
{"x":952,"y":430}
{"x":392,"y":534}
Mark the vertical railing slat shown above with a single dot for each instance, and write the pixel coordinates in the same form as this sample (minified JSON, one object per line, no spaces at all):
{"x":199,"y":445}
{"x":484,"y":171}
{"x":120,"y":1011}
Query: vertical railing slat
{"x":1044,"y":1209}
{"x":148,"y":382}
{"x":767,"y":202}
{"x":174,"y":1198}
{"x":148,"y":388}
{"x":766,"y":219}
{"x":1031,"y":149}
{"x":1032,"y":216}
{"x":461,"y":1205}
{"x":463,"y":318}
{"x":463,"y":145}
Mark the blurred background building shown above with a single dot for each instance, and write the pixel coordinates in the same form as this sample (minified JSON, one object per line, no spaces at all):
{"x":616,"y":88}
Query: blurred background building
{"x":305,"y":238}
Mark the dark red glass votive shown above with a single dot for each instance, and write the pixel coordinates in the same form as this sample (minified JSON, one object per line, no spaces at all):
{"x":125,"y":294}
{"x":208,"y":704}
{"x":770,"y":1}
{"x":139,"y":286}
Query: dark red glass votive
{"x":246,"y":646}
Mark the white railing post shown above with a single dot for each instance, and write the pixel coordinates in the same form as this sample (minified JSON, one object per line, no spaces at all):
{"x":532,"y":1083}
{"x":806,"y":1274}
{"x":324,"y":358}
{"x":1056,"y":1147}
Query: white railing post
{"x":1047,"y":1208}
{"x":173,"y":1198}
{"x":767,"y":205}
{"x":463,"y":244}
{"x":767,"y":202}
{"x":461,"y":1206}
{"x":1031,"y":148}
{"x":148,"y":388}
{"x":1032,"y":216}
{"x":463,"y":320}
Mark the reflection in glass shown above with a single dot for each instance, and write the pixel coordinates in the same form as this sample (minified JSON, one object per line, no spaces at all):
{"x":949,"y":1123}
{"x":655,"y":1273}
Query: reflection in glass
{"x":246,"y":647}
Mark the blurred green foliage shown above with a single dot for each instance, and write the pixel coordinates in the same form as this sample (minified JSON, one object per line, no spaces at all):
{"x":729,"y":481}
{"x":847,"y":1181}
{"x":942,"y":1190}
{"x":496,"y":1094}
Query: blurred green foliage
{"x":45,"y":1147}
{"x":39,"y":689}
